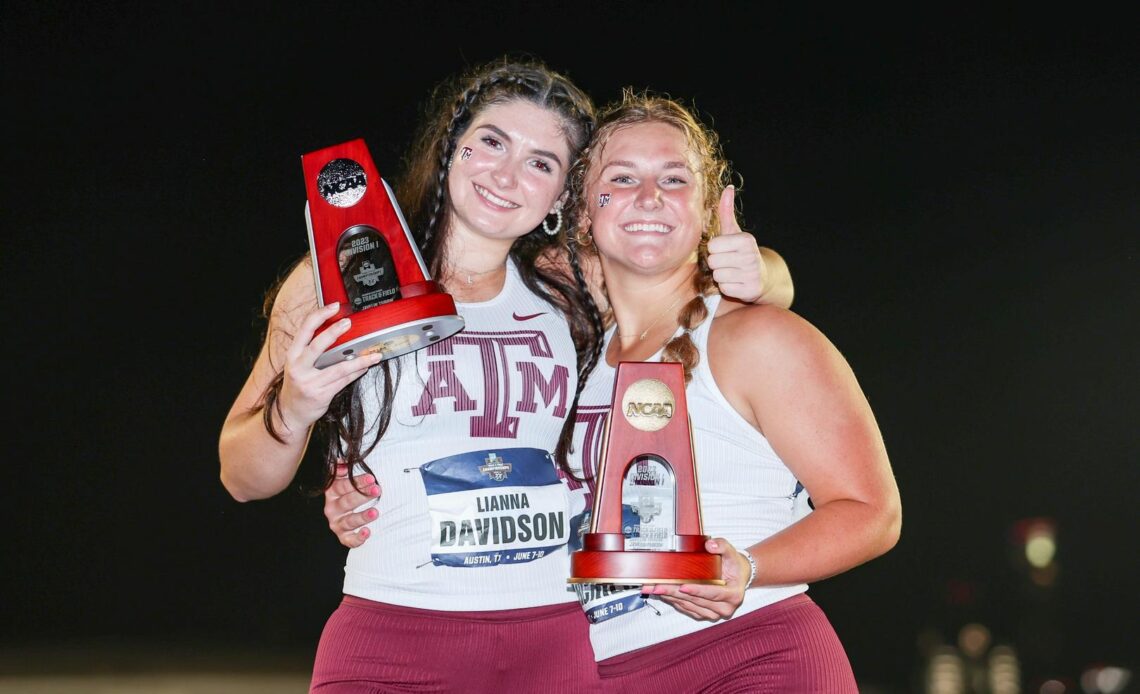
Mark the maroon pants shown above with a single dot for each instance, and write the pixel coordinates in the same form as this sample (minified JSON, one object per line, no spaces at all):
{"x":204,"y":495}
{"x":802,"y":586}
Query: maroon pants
{"x":369,"y":646}
{"x":789,"y":646}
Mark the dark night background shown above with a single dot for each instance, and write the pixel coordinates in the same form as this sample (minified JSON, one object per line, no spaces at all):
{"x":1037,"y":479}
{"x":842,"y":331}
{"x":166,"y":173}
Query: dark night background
{"x":956,"y":195}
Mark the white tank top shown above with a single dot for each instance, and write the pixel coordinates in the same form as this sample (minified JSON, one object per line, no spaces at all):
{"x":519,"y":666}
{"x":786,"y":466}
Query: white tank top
{"x":472,"y":514}
{"x":747,"y":494}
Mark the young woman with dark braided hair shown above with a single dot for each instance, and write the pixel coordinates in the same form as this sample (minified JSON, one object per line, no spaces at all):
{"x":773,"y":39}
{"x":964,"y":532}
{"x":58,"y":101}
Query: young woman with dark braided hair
{"x":463,"y":587}
{"x":776,"y":415}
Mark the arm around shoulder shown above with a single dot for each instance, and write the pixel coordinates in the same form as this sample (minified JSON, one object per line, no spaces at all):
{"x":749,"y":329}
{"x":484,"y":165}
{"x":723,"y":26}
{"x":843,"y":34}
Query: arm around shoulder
{"x":778,"y":289}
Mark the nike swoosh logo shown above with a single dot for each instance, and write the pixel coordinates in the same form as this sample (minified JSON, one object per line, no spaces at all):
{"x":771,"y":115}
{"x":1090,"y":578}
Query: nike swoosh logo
{"x":522,"y":318}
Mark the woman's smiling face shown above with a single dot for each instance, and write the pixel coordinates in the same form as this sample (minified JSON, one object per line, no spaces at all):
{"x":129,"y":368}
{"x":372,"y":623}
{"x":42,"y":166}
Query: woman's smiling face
{"x":646,"y":198}
{"x":509,"y":168}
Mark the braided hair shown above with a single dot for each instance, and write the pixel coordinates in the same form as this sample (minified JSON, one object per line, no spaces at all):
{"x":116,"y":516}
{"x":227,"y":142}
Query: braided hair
{"x":636,"y":108}
{"x":423,"y":197}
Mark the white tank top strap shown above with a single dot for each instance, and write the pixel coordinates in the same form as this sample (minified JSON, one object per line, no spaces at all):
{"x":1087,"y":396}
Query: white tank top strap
{"x":703,"y":374}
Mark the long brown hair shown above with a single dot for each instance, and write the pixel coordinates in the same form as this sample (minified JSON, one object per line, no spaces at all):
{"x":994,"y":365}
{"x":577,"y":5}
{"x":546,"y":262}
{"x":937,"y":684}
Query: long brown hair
{"x":423,"y":197}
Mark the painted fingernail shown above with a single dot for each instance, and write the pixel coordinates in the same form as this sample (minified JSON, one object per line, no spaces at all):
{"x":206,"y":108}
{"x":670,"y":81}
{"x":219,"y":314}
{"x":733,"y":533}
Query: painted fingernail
{"x":364,"y":532}
{"x":371,"y":514}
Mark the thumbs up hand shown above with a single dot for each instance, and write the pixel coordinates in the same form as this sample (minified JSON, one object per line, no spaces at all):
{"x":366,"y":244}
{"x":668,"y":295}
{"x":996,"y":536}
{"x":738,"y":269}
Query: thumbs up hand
{"x":734,"y":256}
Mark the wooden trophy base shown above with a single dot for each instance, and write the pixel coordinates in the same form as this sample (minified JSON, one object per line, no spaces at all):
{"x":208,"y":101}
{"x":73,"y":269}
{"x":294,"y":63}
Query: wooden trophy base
{"x":637,"y":567}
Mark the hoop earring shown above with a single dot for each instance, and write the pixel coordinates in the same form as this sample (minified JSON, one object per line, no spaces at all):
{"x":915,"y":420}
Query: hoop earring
{"x":558,"y":226}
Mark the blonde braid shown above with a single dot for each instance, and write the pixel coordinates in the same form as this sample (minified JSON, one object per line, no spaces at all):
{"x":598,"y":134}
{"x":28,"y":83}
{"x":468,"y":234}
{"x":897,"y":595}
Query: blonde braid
{"x":682,"y":348}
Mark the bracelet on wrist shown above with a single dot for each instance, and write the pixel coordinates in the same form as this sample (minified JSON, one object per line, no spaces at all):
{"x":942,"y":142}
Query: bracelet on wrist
{"x":752,"y":566}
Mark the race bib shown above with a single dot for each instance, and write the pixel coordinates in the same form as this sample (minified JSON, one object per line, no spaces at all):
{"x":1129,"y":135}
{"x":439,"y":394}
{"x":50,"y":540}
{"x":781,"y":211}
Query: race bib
{"x":602,"y":601}
{"x":495,"y":507}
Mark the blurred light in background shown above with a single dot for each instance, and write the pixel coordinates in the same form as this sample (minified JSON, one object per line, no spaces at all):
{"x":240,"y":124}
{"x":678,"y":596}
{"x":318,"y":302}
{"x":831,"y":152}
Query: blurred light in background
{"x":1105,"y":680}
{"x":945,"y":673}
{"x":973,"y":640}
{"x":1040,"y":547}
{"x":1053,"y":687}
{"x":981,"y":661}
{"x":1044,"y":577}
{"x":1004,"y":671}
{"x":1036,"y":539}
{"x":961,"y":592}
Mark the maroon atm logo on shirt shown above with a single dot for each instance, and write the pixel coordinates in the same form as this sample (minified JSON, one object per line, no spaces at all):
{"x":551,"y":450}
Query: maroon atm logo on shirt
{"x":518,"y":375}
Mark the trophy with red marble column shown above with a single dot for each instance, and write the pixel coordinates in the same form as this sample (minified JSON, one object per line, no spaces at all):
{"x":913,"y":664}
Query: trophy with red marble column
{"x":365,"y":258}
{"x":645,"y":526}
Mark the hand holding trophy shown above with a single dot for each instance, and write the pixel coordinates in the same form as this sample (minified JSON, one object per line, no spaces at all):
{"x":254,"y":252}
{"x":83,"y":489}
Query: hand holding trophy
{"x":365,"y":258}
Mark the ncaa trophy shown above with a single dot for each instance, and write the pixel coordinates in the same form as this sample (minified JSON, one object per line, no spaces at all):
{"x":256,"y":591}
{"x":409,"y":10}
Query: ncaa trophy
{"x":365,"y":258}
{"x":645,"y":526}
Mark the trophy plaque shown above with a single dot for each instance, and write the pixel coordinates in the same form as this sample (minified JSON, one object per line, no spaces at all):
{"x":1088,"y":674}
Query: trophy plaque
{"x":365,"y":258}
{"x":645,"y":526}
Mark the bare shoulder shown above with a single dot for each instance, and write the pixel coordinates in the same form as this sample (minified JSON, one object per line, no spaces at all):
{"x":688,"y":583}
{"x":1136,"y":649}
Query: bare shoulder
{"x":761,"y":353}
{"x":747,"y":331}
